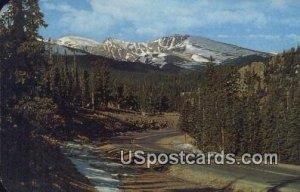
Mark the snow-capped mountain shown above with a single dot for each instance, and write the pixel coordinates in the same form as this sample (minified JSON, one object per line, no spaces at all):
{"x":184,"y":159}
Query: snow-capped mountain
{"x":182,"y":50}
{"x":77,"y":42}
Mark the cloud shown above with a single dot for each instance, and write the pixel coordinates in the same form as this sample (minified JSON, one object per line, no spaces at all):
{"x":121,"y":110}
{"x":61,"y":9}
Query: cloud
{"x":236,"y":17}
{"x":269,"y":25}
{"x":64,"y":8}
{"x":278,"y":3}
{"x":152,"y":18}
{"x":79,"y":21}
{"x":267,"y":37}
{"x":281,"y":4}
{"x":294,"y":37}
{"x":264,"y":36}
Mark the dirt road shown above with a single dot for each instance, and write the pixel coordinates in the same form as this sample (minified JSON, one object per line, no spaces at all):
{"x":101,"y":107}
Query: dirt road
{"x":257,"y":177}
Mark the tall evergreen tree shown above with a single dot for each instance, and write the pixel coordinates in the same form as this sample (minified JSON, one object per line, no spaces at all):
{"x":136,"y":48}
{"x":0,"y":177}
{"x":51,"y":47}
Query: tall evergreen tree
{"x":86,"y":91}
{"x":101,"y":91}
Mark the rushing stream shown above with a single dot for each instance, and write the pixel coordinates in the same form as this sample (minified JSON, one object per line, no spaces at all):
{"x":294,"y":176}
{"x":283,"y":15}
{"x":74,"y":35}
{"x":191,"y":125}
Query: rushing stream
{"x":100,"y":170}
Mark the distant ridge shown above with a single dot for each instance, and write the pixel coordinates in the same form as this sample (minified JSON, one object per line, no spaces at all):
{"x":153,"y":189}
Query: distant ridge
{"x":182,"y":50}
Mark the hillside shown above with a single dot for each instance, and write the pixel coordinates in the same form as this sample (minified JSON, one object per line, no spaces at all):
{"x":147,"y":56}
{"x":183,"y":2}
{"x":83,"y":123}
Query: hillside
{"x":182,"y":50}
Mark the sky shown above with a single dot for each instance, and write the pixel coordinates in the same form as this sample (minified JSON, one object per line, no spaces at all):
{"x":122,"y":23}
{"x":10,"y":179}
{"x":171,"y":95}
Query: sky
{"x":265,"y":25}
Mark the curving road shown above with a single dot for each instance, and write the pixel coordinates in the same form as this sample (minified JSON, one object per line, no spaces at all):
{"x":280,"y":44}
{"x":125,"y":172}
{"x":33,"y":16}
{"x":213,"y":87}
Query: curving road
{"x":259,"y":177}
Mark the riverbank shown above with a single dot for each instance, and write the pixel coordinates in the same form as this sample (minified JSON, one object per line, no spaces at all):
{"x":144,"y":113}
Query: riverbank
{"x":48,"y":170}
{"x":87,"y":144}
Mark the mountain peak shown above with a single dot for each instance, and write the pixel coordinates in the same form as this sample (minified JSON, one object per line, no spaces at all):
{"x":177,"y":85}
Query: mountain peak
{"x":178,"y":49}
{"x":76,"y":42}
{"x":111,"y":39}
{"x":178,"y":35}
{"x":73,"y":37}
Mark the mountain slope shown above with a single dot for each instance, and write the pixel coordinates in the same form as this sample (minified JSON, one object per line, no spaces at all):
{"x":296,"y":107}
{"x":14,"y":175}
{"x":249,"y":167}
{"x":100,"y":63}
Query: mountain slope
{"x":77,"y":42}
{"x":181,"y":50}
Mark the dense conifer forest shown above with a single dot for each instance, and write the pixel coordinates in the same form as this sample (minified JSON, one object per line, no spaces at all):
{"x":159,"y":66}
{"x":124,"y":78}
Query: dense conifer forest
{"x":248,"y":110}
{"x":232,"y":108}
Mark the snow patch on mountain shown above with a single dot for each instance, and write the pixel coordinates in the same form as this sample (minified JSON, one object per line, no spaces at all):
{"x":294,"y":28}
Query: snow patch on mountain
{"x":199,"y":58}
{"x":77,"y":42}
{"x":182,"y":50}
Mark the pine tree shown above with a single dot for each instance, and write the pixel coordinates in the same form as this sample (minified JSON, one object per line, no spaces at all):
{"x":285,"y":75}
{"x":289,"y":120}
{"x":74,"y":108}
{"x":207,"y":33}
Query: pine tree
{"x":293,"y":133}
{"x":120,"y":95}
{"x":77,"y":99}
{"x":56,"y":87}
{"x":185,"y":123}
{"x":101,"y":89}
{"x":86,"y":88}
{"x":23,"y":64}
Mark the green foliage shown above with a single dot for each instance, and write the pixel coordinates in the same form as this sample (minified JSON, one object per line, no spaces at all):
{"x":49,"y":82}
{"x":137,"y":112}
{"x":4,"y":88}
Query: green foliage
{"x":40,"y":113}
{"x":100,"y":87}
{"x":259,"y":115}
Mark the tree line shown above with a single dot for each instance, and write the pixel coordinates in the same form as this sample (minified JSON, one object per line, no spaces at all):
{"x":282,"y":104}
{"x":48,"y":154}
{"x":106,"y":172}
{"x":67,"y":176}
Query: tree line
{"x":248,"y":111}
{"x":100,"y":86}
{"x":25,"y":108}
{"x":222,"y":108}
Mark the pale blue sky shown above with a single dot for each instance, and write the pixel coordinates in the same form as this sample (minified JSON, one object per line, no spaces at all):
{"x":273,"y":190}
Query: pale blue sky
{"x":266,"y":25}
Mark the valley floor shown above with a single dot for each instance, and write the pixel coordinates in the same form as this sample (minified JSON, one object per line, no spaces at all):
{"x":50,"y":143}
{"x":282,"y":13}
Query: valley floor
{"x":93,"y":143}
{"x":99,"y":159}
{"x":157,"y":138}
